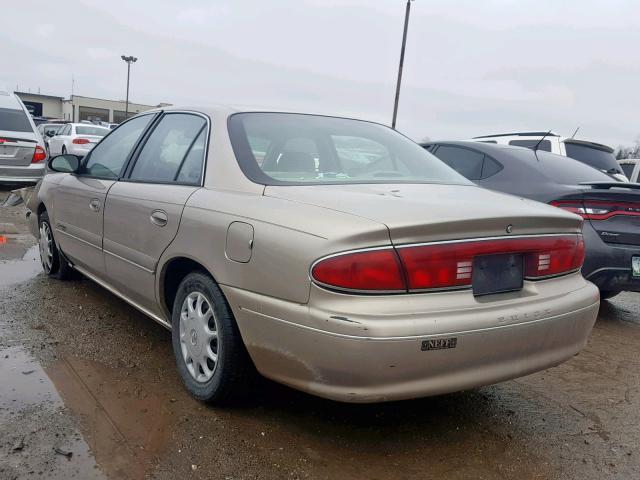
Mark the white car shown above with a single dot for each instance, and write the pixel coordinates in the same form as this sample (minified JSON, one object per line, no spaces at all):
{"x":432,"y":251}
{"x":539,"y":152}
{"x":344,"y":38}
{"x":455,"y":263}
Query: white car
{"x":593,"y":154}
{"x":631,"y":168}
{"x":76,"y":139}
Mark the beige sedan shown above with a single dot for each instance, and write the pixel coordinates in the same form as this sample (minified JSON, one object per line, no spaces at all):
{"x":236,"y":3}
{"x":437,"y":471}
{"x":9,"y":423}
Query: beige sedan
{"x":332,"y":255}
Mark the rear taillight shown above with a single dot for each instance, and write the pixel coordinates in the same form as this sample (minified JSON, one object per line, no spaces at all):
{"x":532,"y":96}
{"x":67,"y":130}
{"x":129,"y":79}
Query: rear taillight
{"x":598,"y":210}
{"x":80,"y":141}
{"x":39,"y":155}
{"x":368,"y":271}
{"x":447,"y":265}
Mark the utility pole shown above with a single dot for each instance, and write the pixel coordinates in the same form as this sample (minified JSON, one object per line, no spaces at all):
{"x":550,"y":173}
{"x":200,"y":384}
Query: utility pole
{"x":130,"y":59}
{"x":404,"y":43}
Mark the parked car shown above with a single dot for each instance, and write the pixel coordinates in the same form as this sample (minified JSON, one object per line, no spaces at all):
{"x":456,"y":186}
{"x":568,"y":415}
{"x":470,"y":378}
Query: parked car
{"x":594,"y":154}
{"x":610,"y":209}
{"x":22,"y":151}
{"x":76,"y":139}
{"x":48,"y":130}
{"x":631,"y":168}
{"x":335,"y":255}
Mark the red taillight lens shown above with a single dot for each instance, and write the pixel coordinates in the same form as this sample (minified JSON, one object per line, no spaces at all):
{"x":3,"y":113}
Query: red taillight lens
{"x":598,"y":210}
{"x":450,"y":265}
{"x":39,"y":155}
{"x":370,"y":271}
{"x":445,"y":265}
{"x":80,"y":141}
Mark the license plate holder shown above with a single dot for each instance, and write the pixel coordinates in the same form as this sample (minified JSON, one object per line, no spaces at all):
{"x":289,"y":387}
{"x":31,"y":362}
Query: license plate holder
{"x":635,"y":266}
{"x":499,"y":273}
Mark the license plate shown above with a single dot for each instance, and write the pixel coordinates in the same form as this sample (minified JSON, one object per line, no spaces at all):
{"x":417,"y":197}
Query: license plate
{"x":497,"y":273}
{"x":635,"y":267}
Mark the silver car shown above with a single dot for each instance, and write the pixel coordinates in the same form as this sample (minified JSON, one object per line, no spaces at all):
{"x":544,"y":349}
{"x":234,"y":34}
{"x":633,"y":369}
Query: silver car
{"x":332,"y":255}
{"x":22,"y":151}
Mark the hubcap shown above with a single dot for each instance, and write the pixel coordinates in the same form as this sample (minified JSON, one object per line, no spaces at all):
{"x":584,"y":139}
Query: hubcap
{"x":199,"y":336}
{"x":45,"y":243}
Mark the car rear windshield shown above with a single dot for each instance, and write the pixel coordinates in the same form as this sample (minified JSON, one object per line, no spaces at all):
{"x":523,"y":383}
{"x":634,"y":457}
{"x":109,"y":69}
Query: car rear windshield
{"x":14,"y":120}
{"x":566,"y":170}
{"x":99,"y":131}
{"x":600,"y":159}
{"x":297,"y":149}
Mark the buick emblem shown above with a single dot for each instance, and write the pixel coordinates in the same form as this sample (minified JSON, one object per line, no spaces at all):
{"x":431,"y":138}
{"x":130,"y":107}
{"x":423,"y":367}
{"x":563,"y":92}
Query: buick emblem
{"x":509,"y":228}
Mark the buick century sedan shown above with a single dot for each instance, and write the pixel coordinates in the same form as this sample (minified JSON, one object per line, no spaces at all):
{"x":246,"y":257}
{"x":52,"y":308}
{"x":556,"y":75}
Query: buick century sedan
{"x":333,"y":255}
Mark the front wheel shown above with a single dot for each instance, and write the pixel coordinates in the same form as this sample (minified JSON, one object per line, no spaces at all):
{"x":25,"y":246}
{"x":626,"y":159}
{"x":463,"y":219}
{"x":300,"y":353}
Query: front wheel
{"x":210,"y":355}
{"x":53,"y":263}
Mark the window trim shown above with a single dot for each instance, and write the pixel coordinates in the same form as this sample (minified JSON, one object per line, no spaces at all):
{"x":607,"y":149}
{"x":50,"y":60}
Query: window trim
{"x":85,"y":160}
{"x":126,"y":177}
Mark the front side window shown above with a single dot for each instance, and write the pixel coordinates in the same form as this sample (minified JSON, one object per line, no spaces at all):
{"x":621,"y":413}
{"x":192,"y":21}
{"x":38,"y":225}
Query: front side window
{"x":296,"y":149}
{"x":108,"y":158}
{"x":174,"y":150}
{"x":544,"y":145}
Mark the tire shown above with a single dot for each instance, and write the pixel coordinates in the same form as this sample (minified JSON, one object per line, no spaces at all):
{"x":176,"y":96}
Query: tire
{"x":64,"y":150}
{"x":607,"y":294}
{"x":53,"y":262}
{"x":226,"y":379}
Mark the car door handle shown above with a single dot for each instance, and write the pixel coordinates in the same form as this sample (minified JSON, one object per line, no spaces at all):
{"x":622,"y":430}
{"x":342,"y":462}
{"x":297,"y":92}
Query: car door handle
{"x":94,"y":204}
{"x":159,"y":218}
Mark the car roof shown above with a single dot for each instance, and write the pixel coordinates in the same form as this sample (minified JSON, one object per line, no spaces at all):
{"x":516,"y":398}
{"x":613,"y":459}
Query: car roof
{"x":9,"y":100}
{"x":545,"y":133}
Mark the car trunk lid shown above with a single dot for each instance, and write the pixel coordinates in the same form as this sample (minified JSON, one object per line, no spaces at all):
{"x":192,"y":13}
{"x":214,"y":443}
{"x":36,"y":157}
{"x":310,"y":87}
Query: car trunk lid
{"x":16,"y":148}
{"x":416,"y":213}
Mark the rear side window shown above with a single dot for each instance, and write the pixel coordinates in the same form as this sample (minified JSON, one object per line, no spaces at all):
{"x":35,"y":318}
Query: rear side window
{"x":600,"y":159}
{"x":14,"y":120}
{"x":173,"y":151}
{"x":627,"y":168}
{"x":545,"y":145}
{"x":107,"y":159}
{"x":463,"y":161}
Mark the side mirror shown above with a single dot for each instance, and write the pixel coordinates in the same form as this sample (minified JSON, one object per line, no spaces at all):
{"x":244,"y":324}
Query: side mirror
{"x":65,"y":163}
{"x":50,"y":133}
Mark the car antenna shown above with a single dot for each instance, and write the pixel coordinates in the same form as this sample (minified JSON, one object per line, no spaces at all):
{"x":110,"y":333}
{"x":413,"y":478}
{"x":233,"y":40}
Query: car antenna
{"x":535,"y":149}
{"x":574,"y":133}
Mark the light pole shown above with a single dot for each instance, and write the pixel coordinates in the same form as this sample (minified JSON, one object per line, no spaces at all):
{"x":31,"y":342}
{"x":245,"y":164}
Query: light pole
{"x":404,"y":43}
{"x":130,"y":59}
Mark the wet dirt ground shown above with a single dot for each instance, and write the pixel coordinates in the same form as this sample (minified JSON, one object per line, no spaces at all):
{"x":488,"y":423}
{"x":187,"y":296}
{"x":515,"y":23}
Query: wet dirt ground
{"x":88,"y":389}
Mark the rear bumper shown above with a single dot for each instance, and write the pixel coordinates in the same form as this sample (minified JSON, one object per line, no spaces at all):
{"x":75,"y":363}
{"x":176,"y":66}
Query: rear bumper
{"x":608,"y":265}
{"x":29,"y":174}
{"x":364,"y":367}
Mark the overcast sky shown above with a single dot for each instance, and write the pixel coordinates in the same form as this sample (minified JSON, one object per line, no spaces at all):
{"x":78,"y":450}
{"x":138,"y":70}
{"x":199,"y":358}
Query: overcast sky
{"x":472,"y":67}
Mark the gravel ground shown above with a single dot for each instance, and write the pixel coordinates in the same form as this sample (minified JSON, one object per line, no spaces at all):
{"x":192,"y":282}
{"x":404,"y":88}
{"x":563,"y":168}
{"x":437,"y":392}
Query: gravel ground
{"x":82,"y":372}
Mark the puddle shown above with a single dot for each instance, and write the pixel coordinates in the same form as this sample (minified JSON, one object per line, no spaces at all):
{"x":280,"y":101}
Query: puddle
{"x":33,"y":424}
{"x":20,"y":270}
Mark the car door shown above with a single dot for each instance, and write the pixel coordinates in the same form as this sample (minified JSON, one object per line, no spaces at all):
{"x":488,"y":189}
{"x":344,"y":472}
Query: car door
{"x":143,"y":211}
{"x":79,"y":199}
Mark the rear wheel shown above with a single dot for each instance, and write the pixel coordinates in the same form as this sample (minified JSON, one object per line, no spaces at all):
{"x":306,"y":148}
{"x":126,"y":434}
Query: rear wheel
{"x":607,"y":294}
{"x":64,"y":150}
{"x":210,"y":355}
{"x":53,"y":263}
